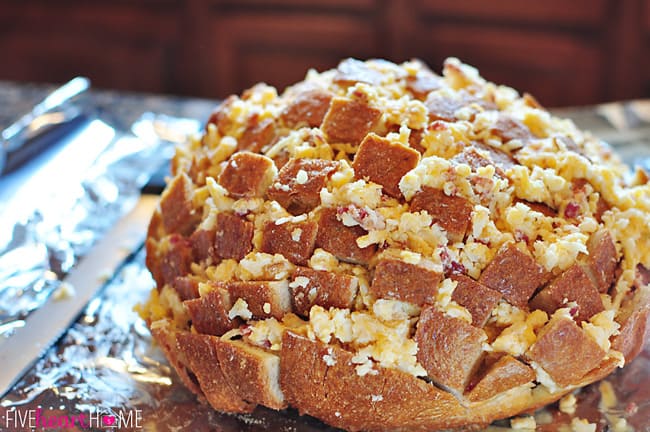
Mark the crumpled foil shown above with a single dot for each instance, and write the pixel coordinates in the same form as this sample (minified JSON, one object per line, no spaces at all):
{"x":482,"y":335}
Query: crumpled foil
{"x":44,"y":246}
{"x":106,"y":363}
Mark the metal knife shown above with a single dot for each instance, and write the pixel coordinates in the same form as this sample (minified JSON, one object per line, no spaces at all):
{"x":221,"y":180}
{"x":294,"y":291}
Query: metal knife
{"x":19,"y":139}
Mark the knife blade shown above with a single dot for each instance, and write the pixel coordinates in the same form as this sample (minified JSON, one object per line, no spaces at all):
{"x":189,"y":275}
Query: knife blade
{"x":19,"y":140}
{"x":43,"y":327}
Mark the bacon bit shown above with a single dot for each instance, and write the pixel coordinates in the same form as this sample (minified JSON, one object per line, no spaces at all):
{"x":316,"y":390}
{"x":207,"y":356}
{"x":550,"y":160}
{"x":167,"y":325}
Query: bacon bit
{"x":362,"y":216}
{"x":438,"y":126}
{"x":449,"y":265}
{"x":631,"y":408}
{"x":572,"y":210}
{"x":246,"y":330}
{"x":520,"y":236}
{"x":457,"y":267}
{"x":574,"y":311}
{"x":266,"y":344}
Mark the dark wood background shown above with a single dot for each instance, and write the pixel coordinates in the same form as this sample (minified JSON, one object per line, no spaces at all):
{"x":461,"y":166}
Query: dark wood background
{"x":565,"y":52}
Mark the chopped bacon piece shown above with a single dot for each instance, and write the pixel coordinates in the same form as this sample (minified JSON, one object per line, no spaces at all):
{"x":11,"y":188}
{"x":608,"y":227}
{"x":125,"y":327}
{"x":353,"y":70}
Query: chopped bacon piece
{"x":478,"y":299}
{"x":413,"y":283}
{"x":257,"y":135}
{"x":506,"y":373}
{"x":307,"y":108}
{"x":384,"y":163}
{"x":209,"y":313}
{"x":247,"y":175}
{"x":573,"y":285}
{"x":251,"y":372}
{"x":642,"y":276}
{"x":296,"y":241}
{"x":565,"y":351}
{"x":323,"y":288}
{"x":233,"y":236}
{"x":301,"y":194}
{"x":178,"y":213}
{"x":602,"y":259}
{"x":203,"y":249}
{"x":514,"y":274}
{"x":351,"y":71}
{"x":349,"y":121}
{"x":265,"y":299}
{"x":201,"y":353}
{"x":187,"y":287}
{"x":452,"y":213}
{"x":508,"y":128}
{"x":176,"y":260}
{"x":341,"y":240}
{"x":449,"y":349}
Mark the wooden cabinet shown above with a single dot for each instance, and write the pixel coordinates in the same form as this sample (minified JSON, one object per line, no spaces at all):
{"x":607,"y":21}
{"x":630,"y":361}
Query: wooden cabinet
{"x":565,"y":53}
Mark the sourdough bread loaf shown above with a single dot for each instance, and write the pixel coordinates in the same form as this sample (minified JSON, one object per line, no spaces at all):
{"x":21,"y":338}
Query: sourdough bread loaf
{"x":386,"y":248}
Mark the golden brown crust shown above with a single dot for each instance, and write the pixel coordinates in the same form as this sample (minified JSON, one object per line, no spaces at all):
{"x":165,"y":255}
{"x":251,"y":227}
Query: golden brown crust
{"x":307,"y":108}
{"x":246,"y":175}
{"x":201,"y":352}
{"x":387,"y":400}
{"x":450,"y":349}
{"x":478,"y":299}
{"x":514,"y":274}
{"x":452,"y":213}
{"x":321,"y":288}
{"x":178,"y":214}
{"x":565,"y":351}
{"x":296,"y":241}
{"x":233,"y":236}
{"x":506,"y":373}
{"x":383,"y":162}
{"x":400,"y":280}
{"x":573,"y":285}
{"x":349,"y":121}
{"x":341,"y":240}
{"x":250,"y":372}
{"x":209,"y":313}
{"x":301,"y":196}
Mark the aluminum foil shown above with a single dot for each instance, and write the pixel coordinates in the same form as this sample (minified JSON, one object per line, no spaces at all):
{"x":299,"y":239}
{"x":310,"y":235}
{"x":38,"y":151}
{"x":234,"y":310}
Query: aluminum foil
{"x":53,"y":221}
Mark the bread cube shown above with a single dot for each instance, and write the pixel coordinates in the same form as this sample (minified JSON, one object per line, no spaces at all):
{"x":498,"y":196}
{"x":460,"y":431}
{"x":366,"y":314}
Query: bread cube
{"x":233,"y":236}
{"x":247,"y":175}
{"x":317,"y":287}
{"x":515,"y":274}
{"x":453,"y":213}
{"x":478,"y":299}
{"x":308,"y":108}
{"x":450,"y":349}
{"x":399,"y":280}
{"x":299,"y":183}
{"x":294,"y":240}
{"x":383,"y":162}
{"x":209,"y":313}
{"x":349,"y":121}
{"x":341,"y":240}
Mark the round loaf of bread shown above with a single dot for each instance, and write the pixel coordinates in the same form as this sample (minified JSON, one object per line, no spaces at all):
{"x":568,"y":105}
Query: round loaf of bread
{"x":385,"y":248}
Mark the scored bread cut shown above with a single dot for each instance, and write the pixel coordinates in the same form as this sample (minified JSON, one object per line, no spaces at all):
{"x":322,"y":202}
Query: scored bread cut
{"x":385,"y":248}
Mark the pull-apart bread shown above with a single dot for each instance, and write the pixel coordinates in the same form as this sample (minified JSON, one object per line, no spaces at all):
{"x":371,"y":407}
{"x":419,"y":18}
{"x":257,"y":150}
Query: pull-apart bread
{"x":385,"y":248}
